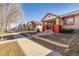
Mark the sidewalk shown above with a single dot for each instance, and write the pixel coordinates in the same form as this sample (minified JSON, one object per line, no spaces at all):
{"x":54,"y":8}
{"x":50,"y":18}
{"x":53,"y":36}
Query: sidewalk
{"x":9,"y":34}
{"x":6,"y":34}
{"x":31,"y":48}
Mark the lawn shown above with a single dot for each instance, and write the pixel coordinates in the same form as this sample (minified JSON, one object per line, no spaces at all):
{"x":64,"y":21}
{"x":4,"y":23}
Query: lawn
{"x":2,"y":40}
{"x":11,"y":49}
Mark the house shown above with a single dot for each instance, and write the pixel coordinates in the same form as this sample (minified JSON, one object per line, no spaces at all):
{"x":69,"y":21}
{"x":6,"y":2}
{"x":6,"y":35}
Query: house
{"x":29,"y":26}
{"x":56,"y":22}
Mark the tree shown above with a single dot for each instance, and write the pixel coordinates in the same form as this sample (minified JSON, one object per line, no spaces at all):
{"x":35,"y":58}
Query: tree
{"x":9,"y":13}
{"x":14,"y":14}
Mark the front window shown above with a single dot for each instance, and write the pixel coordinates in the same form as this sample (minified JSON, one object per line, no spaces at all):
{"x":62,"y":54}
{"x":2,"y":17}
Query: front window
{"x":69,"y":21}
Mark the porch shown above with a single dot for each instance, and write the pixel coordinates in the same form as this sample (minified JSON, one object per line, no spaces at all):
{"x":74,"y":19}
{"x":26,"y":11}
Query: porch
{"x":52,"y":24}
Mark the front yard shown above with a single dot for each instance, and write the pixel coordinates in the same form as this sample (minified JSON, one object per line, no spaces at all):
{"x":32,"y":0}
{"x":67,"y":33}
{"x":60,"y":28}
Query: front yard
{"x":69,"y":39}
{"x":11,"y":49}
{"x":74,"y":47}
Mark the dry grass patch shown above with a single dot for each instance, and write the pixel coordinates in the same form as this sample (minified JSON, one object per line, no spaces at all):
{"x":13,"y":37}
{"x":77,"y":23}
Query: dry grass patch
{"x":2,"y":40}
{"x":11,"y":49}
{"x":74,"y":47}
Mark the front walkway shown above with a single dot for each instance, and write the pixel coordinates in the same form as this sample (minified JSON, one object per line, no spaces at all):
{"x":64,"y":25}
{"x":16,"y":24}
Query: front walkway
{"x":31,"y":48}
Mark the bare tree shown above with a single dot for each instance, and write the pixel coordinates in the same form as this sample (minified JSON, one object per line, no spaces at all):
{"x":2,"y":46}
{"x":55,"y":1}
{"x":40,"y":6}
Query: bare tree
{"x":13,"y":14}
{"x":9,"y":13}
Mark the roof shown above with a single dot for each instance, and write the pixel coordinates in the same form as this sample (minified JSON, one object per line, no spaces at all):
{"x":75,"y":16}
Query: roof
{"x":63,"y":15}
{"x":49,"y":14}
{"x":70,"y":13}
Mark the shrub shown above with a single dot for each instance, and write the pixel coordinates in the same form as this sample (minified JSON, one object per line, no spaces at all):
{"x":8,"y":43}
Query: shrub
{"x":38,"y":30}
{"x":67,"y":30}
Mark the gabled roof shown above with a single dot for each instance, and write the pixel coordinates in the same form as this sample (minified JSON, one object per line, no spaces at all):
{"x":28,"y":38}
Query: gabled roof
{"x":63,"y":15}
{"x":49,"y":14}
{"x":70,"y":13}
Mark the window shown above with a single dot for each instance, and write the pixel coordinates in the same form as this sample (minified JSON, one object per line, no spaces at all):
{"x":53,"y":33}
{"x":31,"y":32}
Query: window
{"x":69,"y":21}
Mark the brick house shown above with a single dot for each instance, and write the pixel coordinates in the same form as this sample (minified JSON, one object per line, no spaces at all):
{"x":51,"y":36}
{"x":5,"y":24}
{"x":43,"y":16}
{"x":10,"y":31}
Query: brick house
{"x":67,"y":21}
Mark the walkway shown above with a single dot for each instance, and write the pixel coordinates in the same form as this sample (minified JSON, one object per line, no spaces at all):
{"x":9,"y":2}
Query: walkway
{"x":31,"y":48}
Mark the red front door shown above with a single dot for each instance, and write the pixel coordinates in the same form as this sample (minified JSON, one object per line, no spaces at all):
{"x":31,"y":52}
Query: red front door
{"x":56,"y":28}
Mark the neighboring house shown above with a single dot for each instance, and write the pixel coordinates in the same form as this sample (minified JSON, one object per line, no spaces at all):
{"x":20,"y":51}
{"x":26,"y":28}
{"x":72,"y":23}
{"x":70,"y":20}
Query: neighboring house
{"x":29,"y":26}
{"x":67,"y":21}
{"x":39,"y":28}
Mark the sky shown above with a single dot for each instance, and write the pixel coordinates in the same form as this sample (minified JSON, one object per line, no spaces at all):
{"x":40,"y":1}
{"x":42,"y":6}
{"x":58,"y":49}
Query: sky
{"x":36,"y":11}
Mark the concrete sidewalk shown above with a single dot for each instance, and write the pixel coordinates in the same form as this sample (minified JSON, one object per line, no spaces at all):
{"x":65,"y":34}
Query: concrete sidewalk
{"x":9,"y":34}
{"x":31,"y":48}
{"x":6,"y":34}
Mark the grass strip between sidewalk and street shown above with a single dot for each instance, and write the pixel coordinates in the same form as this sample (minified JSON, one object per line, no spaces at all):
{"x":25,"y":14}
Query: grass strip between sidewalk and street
{"x":11,"y":49}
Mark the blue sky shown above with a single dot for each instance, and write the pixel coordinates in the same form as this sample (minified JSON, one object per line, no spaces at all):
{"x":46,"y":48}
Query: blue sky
{"x":36,"y":11}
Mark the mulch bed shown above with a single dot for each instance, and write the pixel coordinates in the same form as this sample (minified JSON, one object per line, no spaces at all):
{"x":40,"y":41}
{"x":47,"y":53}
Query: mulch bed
{"x":73,"y":48}
{"x":61,"y":38}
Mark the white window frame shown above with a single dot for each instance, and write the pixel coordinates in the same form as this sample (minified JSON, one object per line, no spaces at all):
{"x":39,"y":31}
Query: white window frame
{"x":69,"y":21}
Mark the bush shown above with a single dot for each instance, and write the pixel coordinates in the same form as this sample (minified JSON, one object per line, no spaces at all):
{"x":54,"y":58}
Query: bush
{"x":38,"y":30}
{"x":67,"y":31}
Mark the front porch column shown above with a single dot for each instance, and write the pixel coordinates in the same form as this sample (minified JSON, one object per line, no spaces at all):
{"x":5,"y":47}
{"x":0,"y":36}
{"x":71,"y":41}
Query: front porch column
{"x":44,"y":26}
{"x":56,"y":26}
{"x":57,"y":21}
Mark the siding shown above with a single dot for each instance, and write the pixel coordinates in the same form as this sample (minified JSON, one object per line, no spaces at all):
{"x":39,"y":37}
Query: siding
{"x":75,"y":25}
{"x":49,"y":17}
